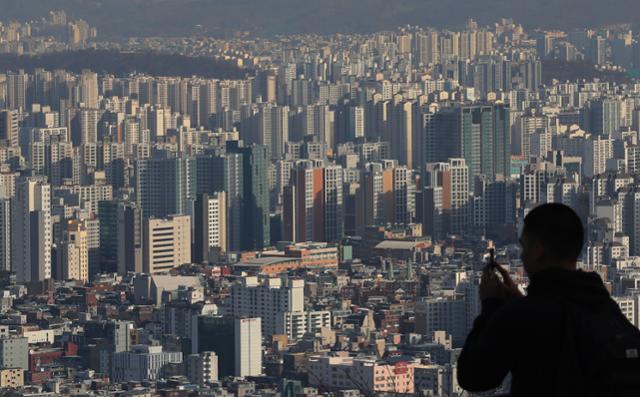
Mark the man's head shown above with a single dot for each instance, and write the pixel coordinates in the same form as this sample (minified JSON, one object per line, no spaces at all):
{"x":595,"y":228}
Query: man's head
{"x":552,"y":237}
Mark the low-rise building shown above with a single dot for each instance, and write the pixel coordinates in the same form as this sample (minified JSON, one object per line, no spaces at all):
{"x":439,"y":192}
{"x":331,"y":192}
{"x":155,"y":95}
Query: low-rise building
{"x":142,"y":363}
{"x":368,"y":374}
{"x":39,"y":336}
{"x":11,"y":378}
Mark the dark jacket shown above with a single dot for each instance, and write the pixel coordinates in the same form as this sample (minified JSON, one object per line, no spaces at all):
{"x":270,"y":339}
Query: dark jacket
{"x":524,"y":336}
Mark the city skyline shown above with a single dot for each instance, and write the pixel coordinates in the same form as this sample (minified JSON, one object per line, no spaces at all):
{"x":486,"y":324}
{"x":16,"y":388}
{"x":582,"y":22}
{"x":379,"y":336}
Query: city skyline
{"x":297,"y":214}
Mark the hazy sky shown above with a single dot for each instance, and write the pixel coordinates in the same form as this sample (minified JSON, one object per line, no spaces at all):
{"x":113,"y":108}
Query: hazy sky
{"x":177,"y":17}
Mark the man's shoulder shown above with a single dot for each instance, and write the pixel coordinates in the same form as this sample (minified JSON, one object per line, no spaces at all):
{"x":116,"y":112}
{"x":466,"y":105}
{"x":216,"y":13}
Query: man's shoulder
{"x":529,"y":306}
{"x":528,"y":316}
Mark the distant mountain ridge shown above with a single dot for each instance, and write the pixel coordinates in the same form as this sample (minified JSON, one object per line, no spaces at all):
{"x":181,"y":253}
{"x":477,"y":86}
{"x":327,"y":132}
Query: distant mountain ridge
{"x":121,"y":64}
{"x":269,"y":17}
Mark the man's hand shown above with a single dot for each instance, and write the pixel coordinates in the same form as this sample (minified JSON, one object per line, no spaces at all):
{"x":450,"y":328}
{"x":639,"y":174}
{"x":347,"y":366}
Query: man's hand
{"x":491,"y":287}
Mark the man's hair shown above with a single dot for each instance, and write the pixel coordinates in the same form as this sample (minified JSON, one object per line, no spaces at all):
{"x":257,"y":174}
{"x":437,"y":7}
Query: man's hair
{"x":558,"y":228}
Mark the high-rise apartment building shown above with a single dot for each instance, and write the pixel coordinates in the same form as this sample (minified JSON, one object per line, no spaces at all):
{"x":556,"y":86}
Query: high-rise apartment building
{"x":255,"y":196}
{"x":401,"y":130}
{"x":84,"y":127}
{"x":5,"y":234}
{"x":356,"y":128}
{"x":17,"y":83}
{"x":120,"y":237}
{"x":157,"y":122}
{"x":371,"y":196}
{"x":303,"y":212}
{"x":73,"y":253}
{"x":527,"y":125}
{"x":211,"y":174}
{"x":602,"y":116}
{"x":161,"y":186}
{"x":210,"y":226}
{"x":597,"y":50}
{"x":446,"y":204}
{"x":272,"y":129}
{"x":120,"y":335}
{"x":107,"y":216}
{"x":89,"y":89}
{"x":333,"y":203}
{"x":9,"y":127}
{"x":403,"y":195}
{"x":494,"y":208}
{"x":319,"y":123}
{"x":166,"y":243}
{"x":481,"y":134}
{"x":237,"y":342}
{"x":433,"y":212}
{"x":31,"y":229}
{"x":202,"y":369}
{"x":442,"y":313}
{"x":132,"y":134}
{"x":208,"y":101}
{"x":280,"y":305}
{"x":248,"y":346}
{"x":313,"y":203}
{"x":597,"y":151}
{"x":426,"y":47}
{"x":214,"y":333}
{"x":268,"y":300}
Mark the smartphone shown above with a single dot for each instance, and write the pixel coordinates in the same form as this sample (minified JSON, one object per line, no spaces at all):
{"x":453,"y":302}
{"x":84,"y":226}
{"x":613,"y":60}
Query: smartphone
{"x":493,"y":265}
{"x":492,"y":258}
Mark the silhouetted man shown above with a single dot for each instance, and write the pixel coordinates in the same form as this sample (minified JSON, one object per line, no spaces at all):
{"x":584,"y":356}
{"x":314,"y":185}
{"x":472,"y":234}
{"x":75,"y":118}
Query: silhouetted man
{"x":532,"y":337}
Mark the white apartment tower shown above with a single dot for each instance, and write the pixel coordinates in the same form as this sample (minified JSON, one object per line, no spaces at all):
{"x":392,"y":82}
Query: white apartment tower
{"x":267,"y":299}
{"x":131,"y":134}
{"x":217,"y":221}
{"x":73,"y":254}
{"x":280,"y":304}
{"x":166,"y":242}
{"x":356,"y":122}
{"x":210,"y":226}
{"x":89,"y":89}
{"x":596,"y":153}
{"x":459,"y":194}
{"x":248,"y":346}
{"x":31,"y":229}
{"x":404,"y":195}
{"x":86,"y":131}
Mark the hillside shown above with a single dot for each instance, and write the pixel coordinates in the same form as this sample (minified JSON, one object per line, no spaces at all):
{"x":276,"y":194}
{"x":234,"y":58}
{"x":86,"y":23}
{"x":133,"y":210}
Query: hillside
{"x":120,"y":64}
